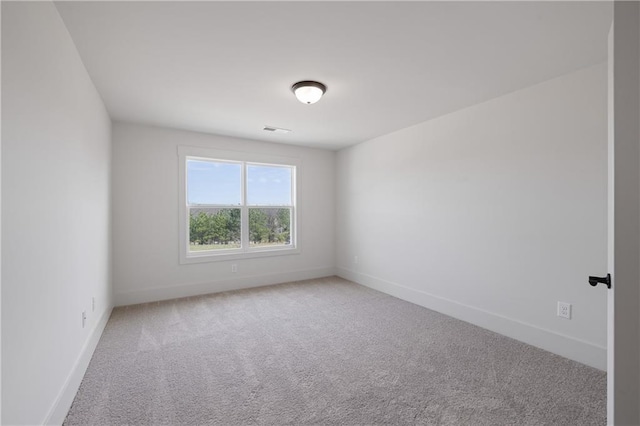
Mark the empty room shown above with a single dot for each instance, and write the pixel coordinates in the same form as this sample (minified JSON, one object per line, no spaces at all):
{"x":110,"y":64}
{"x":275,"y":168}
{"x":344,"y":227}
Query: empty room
{"x":340,"y":213}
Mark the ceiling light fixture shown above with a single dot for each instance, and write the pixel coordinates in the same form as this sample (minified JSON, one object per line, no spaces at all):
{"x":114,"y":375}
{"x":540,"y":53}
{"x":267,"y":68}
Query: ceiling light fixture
{"x":308,"y":92}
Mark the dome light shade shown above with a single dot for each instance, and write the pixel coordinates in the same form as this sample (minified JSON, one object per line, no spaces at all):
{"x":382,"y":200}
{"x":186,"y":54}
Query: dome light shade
{"x":308,"y":92}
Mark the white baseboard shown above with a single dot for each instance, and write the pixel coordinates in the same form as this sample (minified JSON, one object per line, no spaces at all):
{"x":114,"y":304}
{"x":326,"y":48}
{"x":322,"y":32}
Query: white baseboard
{"x":566,"y":346}
{"x":155,"y":294}
{"x":63,"y":402}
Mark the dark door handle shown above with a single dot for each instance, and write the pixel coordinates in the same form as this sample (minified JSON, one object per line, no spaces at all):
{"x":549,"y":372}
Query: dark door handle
{"x":594,"y":281}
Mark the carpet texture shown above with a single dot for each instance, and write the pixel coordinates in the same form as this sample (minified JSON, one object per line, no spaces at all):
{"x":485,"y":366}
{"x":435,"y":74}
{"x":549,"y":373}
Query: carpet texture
{"x":323,"y":351}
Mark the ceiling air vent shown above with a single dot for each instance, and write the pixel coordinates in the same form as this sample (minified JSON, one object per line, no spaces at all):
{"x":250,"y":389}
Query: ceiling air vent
{"x":275,"y":129}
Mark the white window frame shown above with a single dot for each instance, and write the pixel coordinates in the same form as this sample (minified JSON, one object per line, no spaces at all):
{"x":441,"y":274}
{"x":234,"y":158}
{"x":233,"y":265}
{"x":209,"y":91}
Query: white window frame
{"x":244,"y":158}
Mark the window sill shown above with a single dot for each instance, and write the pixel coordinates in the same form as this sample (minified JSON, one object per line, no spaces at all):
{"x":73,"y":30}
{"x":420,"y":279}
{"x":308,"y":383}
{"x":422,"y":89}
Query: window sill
{"x":218,"y":257}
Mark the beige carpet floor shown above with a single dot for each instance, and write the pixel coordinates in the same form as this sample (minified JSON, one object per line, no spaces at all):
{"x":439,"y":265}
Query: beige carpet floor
{"x":324,"y":351}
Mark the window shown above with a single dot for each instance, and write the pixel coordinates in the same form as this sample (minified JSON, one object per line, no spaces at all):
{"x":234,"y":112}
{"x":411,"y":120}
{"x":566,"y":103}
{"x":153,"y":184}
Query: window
{"x":234,"y":208}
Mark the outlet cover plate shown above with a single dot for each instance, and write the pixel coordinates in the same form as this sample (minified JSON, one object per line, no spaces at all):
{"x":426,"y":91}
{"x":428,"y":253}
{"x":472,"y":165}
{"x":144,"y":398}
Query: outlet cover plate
{"x":564,"y":310}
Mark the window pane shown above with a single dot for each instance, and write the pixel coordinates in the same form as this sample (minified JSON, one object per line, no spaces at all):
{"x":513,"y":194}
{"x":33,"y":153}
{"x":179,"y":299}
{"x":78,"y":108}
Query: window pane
{"x":268,"y":185}
{"x":210,"y":182}
{"x":214,"y":229}
{"x":269,"y":227}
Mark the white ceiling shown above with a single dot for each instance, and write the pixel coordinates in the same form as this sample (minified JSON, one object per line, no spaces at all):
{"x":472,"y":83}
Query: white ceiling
{"x":227,"y":67}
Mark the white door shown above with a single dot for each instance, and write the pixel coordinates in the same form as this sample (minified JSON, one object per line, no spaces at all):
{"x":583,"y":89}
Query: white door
{"x":623,"y":341}
{"x":610,"y":233}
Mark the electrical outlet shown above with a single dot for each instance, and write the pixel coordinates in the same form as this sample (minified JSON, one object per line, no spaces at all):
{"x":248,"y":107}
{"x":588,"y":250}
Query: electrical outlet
{"x":93,"y":304}
{"x":355,"y":260}
{"x":84,"y":318}
{"x":564,"y":310}
{"x":234,"y":267}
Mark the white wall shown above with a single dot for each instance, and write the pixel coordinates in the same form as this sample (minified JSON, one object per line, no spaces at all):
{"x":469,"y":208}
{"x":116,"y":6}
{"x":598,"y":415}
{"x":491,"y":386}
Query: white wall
{"x":0,"y":229}
{"x":145,"y":218}
{"x":491,"y":214}
{"x":55,"y":215}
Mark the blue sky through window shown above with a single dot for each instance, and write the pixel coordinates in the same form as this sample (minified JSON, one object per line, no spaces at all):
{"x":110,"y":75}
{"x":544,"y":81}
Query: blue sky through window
{"x":211,"y":182}
{"x":268,"y":185}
